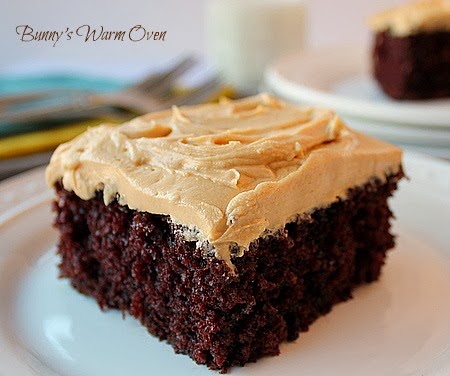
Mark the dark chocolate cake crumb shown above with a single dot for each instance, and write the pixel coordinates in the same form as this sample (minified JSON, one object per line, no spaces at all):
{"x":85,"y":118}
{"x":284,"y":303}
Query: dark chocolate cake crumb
{"x":139,"y":263}
{"x":413,"y":67}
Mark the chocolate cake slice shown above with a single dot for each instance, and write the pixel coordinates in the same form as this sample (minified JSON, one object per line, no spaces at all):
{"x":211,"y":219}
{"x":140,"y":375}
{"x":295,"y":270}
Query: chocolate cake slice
{"x":225,"y":228}
{"x":411,"y":53}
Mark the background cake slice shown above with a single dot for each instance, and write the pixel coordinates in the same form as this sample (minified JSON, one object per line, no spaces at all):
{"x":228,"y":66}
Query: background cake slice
{"x":225,"y":228}
{"x":411,"y":53}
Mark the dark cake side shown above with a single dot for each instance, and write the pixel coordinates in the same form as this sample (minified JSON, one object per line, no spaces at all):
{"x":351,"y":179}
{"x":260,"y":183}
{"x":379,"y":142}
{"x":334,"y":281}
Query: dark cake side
{"x":139,"y":263}
{"x":413,"y":67}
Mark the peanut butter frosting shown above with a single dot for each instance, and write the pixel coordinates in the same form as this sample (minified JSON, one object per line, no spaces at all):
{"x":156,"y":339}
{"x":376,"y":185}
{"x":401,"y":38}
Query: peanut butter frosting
{"x":422,"y":16}
{"x":231,"y":171}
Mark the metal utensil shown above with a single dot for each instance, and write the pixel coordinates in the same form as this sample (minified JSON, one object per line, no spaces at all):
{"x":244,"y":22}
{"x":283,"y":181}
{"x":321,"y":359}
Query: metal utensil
{"x":150,"y":94}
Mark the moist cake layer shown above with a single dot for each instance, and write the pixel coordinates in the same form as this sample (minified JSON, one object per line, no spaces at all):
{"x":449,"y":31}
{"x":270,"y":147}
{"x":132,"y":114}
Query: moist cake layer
{"x":230,"y":171}
{"x":417,"y":17}
{"x":413,"y":67}
{"x":139,"y":263}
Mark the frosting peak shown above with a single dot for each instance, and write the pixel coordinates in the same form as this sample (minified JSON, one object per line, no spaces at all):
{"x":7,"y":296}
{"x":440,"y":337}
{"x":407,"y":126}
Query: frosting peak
{"x":231,"y":170}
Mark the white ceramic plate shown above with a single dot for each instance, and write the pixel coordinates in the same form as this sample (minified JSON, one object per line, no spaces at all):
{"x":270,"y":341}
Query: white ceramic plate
{"x":400,"y":134}
{"x":345,"y":84}
{"x":397,"y":326}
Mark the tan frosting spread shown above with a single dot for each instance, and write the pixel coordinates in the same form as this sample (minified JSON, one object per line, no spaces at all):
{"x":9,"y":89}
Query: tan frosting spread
{"x":412,"y":18}
{"x":231,"y":170}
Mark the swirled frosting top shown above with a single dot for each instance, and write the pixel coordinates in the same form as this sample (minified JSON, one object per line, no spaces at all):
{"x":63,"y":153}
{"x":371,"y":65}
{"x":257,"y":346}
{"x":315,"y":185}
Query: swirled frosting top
{"x":412,"y":18}
{"x":231,"y":170}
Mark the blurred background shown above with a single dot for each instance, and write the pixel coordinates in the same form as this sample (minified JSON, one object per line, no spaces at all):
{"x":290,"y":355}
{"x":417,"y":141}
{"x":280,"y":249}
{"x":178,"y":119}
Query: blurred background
{"x":329,"y":23}
{"x":235,"y":45}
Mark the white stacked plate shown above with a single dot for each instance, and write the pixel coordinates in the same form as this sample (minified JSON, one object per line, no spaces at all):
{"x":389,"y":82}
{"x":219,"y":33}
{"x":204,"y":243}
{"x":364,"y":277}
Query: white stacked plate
{"x":340,"y":78}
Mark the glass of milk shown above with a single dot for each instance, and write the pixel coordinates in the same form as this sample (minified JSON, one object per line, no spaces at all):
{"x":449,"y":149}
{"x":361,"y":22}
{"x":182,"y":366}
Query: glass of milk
{"x":244,"y":35}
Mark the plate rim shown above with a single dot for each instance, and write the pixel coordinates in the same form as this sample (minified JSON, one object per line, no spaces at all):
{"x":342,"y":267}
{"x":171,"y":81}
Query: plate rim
{"x":407,"y":113}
